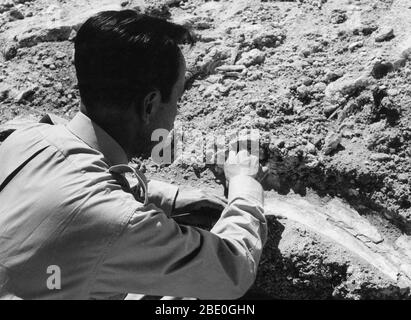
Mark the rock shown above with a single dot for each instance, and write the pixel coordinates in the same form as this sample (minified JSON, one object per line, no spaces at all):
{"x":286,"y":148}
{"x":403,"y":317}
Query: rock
{"x":60,"y":55}
{"x":399,"y":63}
{"x":385,"y":34}
{"x":195,"y":22}
{"x":238,"y":85}
{"x":333,"y":75}
{"x":231,"y":68}
{"x":332,"y":141}
{"x":25,"y":94}
{"x":186,"y":20}
{"x":160,"y":9}
{"x":49,"y":63}
{"x":253,"y":57}
{"x":208,"y":64}
{"x":6,"y":6}
{"x":307,"y":81}
{"x":355,"y":45}
{"x":22,"y":1}
{"x":392,"y":92}
{"x":329,"y":109}
{"x":320,"y":87}
{"x":406,"y":53}
{"x":365,"y":30}
{"x":310,"y":148}
{"x":381,"y":157}
{"x":388,"y":110}
{"x":53,"y":34}
{"x":260,"y":36}
{"x":9,"y":51}
{"x":50,"y":28}
{"x":4,"y":92}
{"x":338,"y":16}
{"x":406,"y":49}
{"x":303,"y":93}
{"x":343,"y":225}
{"x":72,"y":35}
{"x":16,"y":14}
{"x":216,"y":90}
{"x":279,"y":143}
{"x":381,"y":69}
{"x":305,"y":52}
{"x":313,"y":48}
{"x":403,"y":177}
{"x":345,"y":87}
{"x":59,"y":87}
{"x":269,"y":39}
{"x":214,"y":78}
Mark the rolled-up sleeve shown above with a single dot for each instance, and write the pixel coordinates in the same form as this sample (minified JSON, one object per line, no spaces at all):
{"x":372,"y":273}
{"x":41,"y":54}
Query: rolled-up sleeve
{"x":163,"y":195}
{"x":156,"y":256}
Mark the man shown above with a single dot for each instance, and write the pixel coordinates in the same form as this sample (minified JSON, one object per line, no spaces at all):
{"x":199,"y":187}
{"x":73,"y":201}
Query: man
{"x":70,"y":225}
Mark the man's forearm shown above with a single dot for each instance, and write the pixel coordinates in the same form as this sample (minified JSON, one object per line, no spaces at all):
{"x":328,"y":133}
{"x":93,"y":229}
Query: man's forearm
{"x":243,"y":222}
{"x":163,"y":195}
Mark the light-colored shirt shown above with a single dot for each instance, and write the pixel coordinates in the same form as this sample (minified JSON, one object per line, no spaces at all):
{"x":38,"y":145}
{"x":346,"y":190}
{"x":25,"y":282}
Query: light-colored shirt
{"x":60,"y":207}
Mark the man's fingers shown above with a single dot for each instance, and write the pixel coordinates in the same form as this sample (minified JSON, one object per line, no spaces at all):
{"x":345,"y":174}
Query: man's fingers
{"x":243,"y":157}
{"x":253,"y":160}
{"x":231,"y":156}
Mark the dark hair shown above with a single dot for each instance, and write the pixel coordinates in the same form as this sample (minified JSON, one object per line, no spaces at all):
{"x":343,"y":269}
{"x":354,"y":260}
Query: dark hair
{"x":121,"y":55}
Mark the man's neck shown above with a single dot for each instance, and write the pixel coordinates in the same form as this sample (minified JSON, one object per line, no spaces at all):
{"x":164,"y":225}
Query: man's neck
{"x":114,"y":127}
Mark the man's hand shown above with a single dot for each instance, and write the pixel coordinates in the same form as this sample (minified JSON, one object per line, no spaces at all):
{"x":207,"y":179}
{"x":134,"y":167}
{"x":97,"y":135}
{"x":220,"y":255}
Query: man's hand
{"x":197,"y":208}
{"x":242,"y":164}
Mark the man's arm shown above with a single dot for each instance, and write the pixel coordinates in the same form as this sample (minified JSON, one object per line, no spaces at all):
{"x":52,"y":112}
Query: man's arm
{"x":163,"y":195}
{"x":156,"y":256}
{"x":189,"y":206}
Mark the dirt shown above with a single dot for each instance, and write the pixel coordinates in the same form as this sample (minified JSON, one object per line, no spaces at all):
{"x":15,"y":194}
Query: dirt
{"x":325,"y":82}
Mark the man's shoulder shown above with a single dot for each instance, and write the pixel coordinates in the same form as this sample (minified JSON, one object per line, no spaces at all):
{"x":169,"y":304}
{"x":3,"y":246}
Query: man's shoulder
{"x":58,"y":139}
{"x":66,"y":168}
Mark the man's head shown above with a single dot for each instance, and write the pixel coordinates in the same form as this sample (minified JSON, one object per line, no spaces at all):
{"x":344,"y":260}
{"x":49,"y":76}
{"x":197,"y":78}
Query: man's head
{"x":131,"y":74}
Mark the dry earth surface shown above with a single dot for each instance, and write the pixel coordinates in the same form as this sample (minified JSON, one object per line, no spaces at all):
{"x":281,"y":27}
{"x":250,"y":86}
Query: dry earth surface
{"x":327,"y":83}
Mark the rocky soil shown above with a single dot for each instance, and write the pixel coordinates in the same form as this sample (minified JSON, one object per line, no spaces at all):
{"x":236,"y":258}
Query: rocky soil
{"x":327,"y":83}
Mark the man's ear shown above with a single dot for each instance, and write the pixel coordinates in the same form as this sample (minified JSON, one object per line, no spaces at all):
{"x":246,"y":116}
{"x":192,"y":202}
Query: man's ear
{"x":151,"y":104}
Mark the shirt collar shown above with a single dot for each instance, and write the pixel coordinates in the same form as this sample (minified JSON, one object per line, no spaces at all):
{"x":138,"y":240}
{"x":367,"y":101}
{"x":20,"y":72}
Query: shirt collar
{"x":94,"y":136}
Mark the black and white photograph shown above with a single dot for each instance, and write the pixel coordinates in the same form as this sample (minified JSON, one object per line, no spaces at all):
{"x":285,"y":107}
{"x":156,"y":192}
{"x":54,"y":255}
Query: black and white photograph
{"x":205,"y":155}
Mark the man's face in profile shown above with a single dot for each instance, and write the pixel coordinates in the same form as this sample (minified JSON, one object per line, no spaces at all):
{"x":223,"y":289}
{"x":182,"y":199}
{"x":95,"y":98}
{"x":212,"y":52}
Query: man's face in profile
{"x":168,"y":110}
{"x":164,"y":116}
